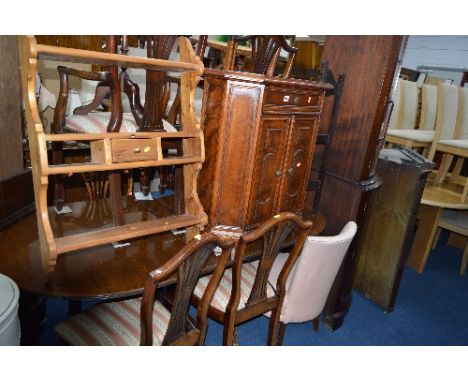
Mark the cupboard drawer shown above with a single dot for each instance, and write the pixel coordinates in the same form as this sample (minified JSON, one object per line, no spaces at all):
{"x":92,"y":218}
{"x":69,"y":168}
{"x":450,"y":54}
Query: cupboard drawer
{"x":309,"y":100}
{"x":124,"y":150}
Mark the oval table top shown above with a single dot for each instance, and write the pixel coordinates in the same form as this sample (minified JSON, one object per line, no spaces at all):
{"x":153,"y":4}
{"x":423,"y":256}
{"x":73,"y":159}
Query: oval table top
{"x":102,"y":272}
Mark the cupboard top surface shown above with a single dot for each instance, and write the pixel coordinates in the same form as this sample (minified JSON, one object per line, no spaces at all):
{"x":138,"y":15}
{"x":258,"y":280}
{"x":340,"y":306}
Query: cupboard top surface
{"x":267,"y":80}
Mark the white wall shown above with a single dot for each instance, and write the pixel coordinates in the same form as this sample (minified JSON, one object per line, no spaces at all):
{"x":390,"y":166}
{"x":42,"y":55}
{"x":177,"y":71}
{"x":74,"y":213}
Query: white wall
{"x":441,"y":51}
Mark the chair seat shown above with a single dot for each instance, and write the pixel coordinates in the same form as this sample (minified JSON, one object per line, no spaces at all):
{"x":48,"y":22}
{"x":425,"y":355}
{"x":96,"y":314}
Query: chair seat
{"x":112,"y":324}
{"x":425,"y":136}
{"x":460,"y":143}
{"x":223,"y":293}
{"x":96,"y":122}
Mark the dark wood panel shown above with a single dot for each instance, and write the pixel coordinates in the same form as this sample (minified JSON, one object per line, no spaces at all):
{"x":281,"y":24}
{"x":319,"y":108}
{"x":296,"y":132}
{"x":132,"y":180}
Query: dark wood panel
{"x":243,"y":113}
{"x":16,"y":197}
{"x":11,"y":154}
{"x":369,"y":64}
{"x":269,"y":168}
{"x":298,"y":163}
{"x":388,"y":229}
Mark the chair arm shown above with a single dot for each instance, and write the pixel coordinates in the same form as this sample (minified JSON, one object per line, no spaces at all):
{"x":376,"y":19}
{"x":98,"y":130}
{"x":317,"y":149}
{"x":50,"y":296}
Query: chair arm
{"x":92,"y":76}
{"x":60,"y":109}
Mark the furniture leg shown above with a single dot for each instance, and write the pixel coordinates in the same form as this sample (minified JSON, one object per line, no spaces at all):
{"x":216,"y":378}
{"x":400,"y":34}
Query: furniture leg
{"x":443,"y":168}
{"x":457,"y":169}
{"x":436,"y":238}
{"x":428,"y":217}
{"x":274,"y":327}
{"x":281,"y":331}
{"x":145,"y":180}
{"x":464,"y":262}
{"x":116,"y":197}
{"x":316,"y":322}
{"x":57,"y":158}
{"x":74,"y":307}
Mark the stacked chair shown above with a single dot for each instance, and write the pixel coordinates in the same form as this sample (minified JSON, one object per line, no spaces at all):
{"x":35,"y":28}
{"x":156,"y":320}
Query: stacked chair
{"x":402,"y":127}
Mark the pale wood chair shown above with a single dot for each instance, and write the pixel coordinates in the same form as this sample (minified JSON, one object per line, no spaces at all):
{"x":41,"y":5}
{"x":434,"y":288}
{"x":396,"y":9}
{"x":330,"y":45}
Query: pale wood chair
{"x":403,"y":120}
{"x":244,"y":291}
{"x":149,"y":321}
{"x":456,"y":146}
{"x":457,"y":222}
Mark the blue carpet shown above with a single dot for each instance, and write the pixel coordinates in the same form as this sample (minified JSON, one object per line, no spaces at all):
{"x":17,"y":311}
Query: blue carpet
{"x":431,"y":309}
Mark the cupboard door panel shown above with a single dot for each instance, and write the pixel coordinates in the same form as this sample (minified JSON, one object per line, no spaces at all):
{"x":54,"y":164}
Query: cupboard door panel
{"x":268,"y":168}
{"x":297,"y":164}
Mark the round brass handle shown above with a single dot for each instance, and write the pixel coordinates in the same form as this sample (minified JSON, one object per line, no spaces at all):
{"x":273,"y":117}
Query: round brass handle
{"x":137,"y":150}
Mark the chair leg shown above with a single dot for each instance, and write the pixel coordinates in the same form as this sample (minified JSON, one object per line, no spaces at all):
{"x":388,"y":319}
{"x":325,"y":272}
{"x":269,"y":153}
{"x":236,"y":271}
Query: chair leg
{"x":229,"y":334}
{"x":273,"y":330}
{"x":281,"y":331}
{"x":443,"y":168}
{"x":464,"y":262}
{"x":316,"y":322}
{"x":457,"y":169}
{"x":436,"y":238}
{"x":465,"y":191}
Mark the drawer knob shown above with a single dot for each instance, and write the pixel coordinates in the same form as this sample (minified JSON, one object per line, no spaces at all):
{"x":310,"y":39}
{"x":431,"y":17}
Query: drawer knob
{"x":278,"y":172}
{"x":290,"y":170}
{"x":147,"y":149}
{"x":296,"y":100}
{"x":137,"y":150}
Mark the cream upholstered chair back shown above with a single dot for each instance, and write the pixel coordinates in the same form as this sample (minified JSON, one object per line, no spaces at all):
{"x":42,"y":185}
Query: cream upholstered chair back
{"x":428,"y":107}
{"x":447,"y":110}
{"x":461,"y":129}
{"x":408,"y":109}
{"x":447,"y":107}
{"x":312,"y":276}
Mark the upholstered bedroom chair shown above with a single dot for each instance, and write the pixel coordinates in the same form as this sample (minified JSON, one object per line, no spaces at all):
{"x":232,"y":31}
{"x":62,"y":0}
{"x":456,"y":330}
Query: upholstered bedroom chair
{"x":244,"y":291}
{"x":148,"y":321}
{"x":311,"y":278}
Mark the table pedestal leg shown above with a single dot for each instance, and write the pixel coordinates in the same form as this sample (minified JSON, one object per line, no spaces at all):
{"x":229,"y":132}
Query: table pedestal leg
{"x":428,"y":217}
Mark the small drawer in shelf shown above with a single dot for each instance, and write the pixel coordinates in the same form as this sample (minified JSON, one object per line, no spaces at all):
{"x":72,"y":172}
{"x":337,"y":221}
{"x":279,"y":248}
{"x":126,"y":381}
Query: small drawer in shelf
{"x":125,"y":150}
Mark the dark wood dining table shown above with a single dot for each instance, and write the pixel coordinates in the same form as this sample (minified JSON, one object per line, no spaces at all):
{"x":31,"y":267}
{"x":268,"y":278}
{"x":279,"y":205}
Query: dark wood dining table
{"x":106,"y":272}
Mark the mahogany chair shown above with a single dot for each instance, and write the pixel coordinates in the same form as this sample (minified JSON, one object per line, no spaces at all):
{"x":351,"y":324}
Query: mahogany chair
{"x":149,"y":321}
{"x":244,"y":291}
{"x":311,"y":278}
{"x":264,"y":57}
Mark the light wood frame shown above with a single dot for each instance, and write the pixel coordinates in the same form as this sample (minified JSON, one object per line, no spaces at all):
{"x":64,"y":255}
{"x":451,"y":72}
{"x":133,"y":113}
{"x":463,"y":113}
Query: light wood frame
{"x":194,"y":218}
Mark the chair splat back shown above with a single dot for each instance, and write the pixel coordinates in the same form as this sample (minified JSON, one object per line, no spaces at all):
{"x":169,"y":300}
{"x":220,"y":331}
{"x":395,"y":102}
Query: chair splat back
{"x":265,"y":53}
{"x":263,"y":297}
{"x":160,"y":321}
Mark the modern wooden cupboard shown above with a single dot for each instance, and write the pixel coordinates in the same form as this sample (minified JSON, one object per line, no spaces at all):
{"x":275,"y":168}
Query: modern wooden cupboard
{"x":260,"y":135}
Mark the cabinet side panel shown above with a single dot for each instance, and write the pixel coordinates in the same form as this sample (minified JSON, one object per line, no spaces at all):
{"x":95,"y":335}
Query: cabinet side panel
{"x":237,"y":146}
{"x":211,"y":125}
